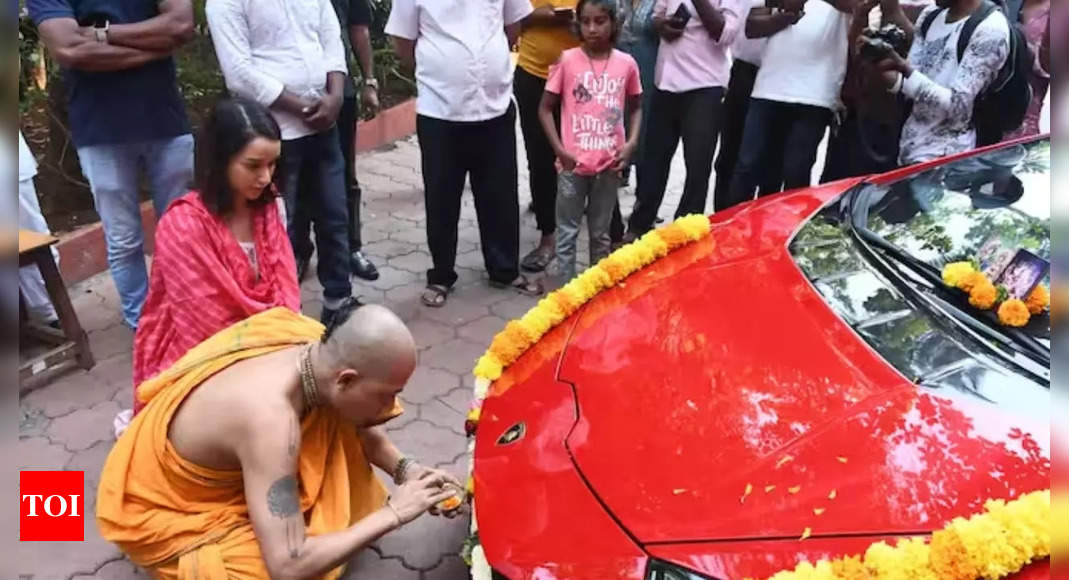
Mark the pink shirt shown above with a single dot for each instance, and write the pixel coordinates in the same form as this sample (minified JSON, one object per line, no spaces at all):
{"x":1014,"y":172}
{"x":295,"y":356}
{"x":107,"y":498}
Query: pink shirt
{"x":593,"y":95}
{"x":695,"y":60}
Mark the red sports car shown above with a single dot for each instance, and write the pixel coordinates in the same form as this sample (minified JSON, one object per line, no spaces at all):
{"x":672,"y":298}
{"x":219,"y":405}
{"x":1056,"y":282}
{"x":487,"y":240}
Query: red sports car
{"x":797,"y":386}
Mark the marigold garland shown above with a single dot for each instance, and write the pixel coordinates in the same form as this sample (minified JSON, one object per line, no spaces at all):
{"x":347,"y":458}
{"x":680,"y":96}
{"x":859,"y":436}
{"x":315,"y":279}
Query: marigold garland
{"x":520,"y":335}
{"x":984,"y":295}
{"x":1001,"y":541}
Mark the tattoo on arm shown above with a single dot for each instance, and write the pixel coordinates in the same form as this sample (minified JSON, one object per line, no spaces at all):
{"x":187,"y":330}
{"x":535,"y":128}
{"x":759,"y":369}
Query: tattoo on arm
{"x":295,"y":437}
{"x":283,"y":501}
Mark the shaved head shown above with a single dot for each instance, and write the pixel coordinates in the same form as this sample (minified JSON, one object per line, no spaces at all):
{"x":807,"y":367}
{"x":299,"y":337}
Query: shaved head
{"x":373,"y":341}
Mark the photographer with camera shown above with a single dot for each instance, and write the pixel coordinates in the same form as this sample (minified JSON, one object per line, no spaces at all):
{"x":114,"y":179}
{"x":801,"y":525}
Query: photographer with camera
{"x":796,"y":90}
{"x":693,"y":67}
{"x":866,"y":138}
{"x":959,"y":49}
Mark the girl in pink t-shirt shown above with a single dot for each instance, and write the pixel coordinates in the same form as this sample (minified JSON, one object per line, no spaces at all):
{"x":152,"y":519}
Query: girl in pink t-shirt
{"x":593,"y":85}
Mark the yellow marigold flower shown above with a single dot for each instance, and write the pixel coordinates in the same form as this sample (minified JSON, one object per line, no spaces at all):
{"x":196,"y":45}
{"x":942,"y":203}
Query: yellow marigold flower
{"x":597,"y":278}
{"x":1013,"y":312}
{"x":549,"y":308}
{"x":955,"y":272}
{"x":489,"y":367}
{"x":537,"y":321}
{"x":1038,"y":299}
{"x":470,"y":486}
{"x":474,"y":414}
{"x":695,"y":225}
{"x":849,"y":569}
{"x":983,"y":295}
{"x":582,"y":289}
{"x":655,"y":243}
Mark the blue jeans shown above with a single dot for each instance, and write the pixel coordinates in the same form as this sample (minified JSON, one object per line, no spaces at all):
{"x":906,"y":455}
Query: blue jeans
{"x":312,"y":182}
{"x":114,"y":172}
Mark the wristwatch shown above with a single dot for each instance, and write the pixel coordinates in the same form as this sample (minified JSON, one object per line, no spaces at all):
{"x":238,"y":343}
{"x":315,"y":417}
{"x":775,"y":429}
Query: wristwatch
{"x":101,"y":32}
{"x":371,"y":82}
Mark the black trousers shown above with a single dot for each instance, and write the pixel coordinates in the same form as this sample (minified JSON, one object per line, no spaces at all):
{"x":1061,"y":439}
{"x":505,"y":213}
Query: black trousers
{"x":780,"y":135}
{"x":694,"y":117}
{"x":861,"y":146}
{"x":736,"y":104}
{"x":541,"y":161}
{"x":347,"y":119}
{"x":485,"y":150}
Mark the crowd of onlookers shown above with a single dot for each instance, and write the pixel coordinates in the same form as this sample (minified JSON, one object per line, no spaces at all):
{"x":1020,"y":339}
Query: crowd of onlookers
{"x":603,"y":91}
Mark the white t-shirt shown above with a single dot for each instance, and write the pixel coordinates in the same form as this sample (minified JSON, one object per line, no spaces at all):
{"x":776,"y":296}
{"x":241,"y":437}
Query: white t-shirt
{"x":463,"y":66}
{"x":806,"y":63}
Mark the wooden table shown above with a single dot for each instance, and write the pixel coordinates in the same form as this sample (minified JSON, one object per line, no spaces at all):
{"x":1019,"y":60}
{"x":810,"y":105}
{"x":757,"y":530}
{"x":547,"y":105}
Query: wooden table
{"x":70,"y":345}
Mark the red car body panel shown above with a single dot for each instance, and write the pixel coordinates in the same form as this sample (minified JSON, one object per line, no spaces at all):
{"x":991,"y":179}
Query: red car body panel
{"x":713,"y":408}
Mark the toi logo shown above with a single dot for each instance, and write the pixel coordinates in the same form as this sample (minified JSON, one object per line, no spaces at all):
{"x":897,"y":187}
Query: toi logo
{"x":51,"y":506}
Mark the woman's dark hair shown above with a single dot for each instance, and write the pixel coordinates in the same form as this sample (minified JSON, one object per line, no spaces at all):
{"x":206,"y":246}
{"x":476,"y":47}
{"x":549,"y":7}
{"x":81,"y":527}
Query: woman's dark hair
{"x":232,"y":124}
{"x":610,"y":8}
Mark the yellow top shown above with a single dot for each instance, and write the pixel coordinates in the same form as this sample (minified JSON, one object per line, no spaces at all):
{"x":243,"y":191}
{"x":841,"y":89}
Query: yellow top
{"x":541,"y":46}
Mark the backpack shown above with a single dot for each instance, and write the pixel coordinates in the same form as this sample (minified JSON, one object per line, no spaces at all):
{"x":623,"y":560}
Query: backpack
{"x":1002,"y":106}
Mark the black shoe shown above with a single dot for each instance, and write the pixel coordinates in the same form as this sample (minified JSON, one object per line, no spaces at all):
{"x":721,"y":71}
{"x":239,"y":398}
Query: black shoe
{"x":328,"y":316}
{"x":302,"y":268}
{"x":362,"y":267}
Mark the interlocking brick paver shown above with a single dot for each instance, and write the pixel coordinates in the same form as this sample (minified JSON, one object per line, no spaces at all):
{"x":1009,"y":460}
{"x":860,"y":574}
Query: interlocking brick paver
{"x":478,"y":330}
{"x":457,"y":355}
{"x":91,"y":461}
{"x":458,"y":399}
{"x":390,"y":278}
{"x":429,"y":443}
{"x":117,"y":570}
{"x":442,"y":415}
{"x":61,"y":560}
{"x":112,"y":341}
{"x":78,"y":389}
{"x":411,"y":234}
{"x":425,"y":542}
{"x":450,"y":568}
{"x":429,"y":332}
{"x":38,"y":453}
{"x":514,"y":306}
{"x":417,"y":262}
{"x":428,"y":383}
{"x":85,"y":427}
{"x":386,"y":249}
{"x":458,"y":309}
{"x":369,"y":564}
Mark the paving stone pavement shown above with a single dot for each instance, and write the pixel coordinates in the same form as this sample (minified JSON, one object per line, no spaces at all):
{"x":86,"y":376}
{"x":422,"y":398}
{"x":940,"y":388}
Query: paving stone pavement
{"x":67,"y":424}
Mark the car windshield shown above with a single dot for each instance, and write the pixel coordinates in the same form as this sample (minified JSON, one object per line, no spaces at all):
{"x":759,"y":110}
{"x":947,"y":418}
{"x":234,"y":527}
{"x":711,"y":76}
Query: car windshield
{"x":876,"y":254}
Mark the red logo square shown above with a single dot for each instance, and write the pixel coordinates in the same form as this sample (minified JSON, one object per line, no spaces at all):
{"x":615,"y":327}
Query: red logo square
{"x":51,"y":506}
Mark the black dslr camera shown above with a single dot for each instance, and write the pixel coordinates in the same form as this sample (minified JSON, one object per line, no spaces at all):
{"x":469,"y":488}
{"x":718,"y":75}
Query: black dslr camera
{"x":878,"y":43}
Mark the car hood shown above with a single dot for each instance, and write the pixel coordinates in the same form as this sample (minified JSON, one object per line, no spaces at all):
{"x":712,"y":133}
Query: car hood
{"x":719,"y":397}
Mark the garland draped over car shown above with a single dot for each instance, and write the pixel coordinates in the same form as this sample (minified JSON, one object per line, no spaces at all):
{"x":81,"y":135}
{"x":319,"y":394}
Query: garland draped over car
{"x":1002,"y":540}
{"x":521,"y":334}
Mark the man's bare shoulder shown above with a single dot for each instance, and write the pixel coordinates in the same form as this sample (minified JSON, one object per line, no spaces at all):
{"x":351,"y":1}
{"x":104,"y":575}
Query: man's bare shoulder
{"x":243,"y":405}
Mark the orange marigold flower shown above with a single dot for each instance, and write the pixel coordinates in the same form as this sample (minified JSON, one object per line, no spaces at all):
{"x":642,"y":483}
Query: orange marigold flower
{"x":673,"y":235}
{"x":971,"y":280}
{"x":564,"y":302}
{"x":614,"y":267}
{"x":507,"y":348}
{"x":1013,"y":312}
{"x":949,"y":558}
{"x":1038,"y":299}
{"x":655,"y":243}
{"x":983,"y":295}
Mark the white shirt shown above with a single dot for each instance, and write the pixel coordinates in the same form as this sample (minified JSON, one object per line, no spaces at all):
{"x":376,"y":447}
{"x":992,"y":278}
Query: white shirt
{"x":806,"y":63}
{"x":265,"y":46}
{"x":745,"y":48}
{"x":463,"y":66}
{"x":943,"y":90}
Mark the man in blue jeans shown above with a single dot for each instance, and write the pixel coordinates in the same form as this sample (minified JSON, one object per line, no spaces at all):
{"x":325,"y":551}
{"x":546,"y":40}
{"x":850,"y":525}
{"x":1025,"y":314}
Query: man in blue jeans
{"x":127,"y":116}
{"x":290,"y":58}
